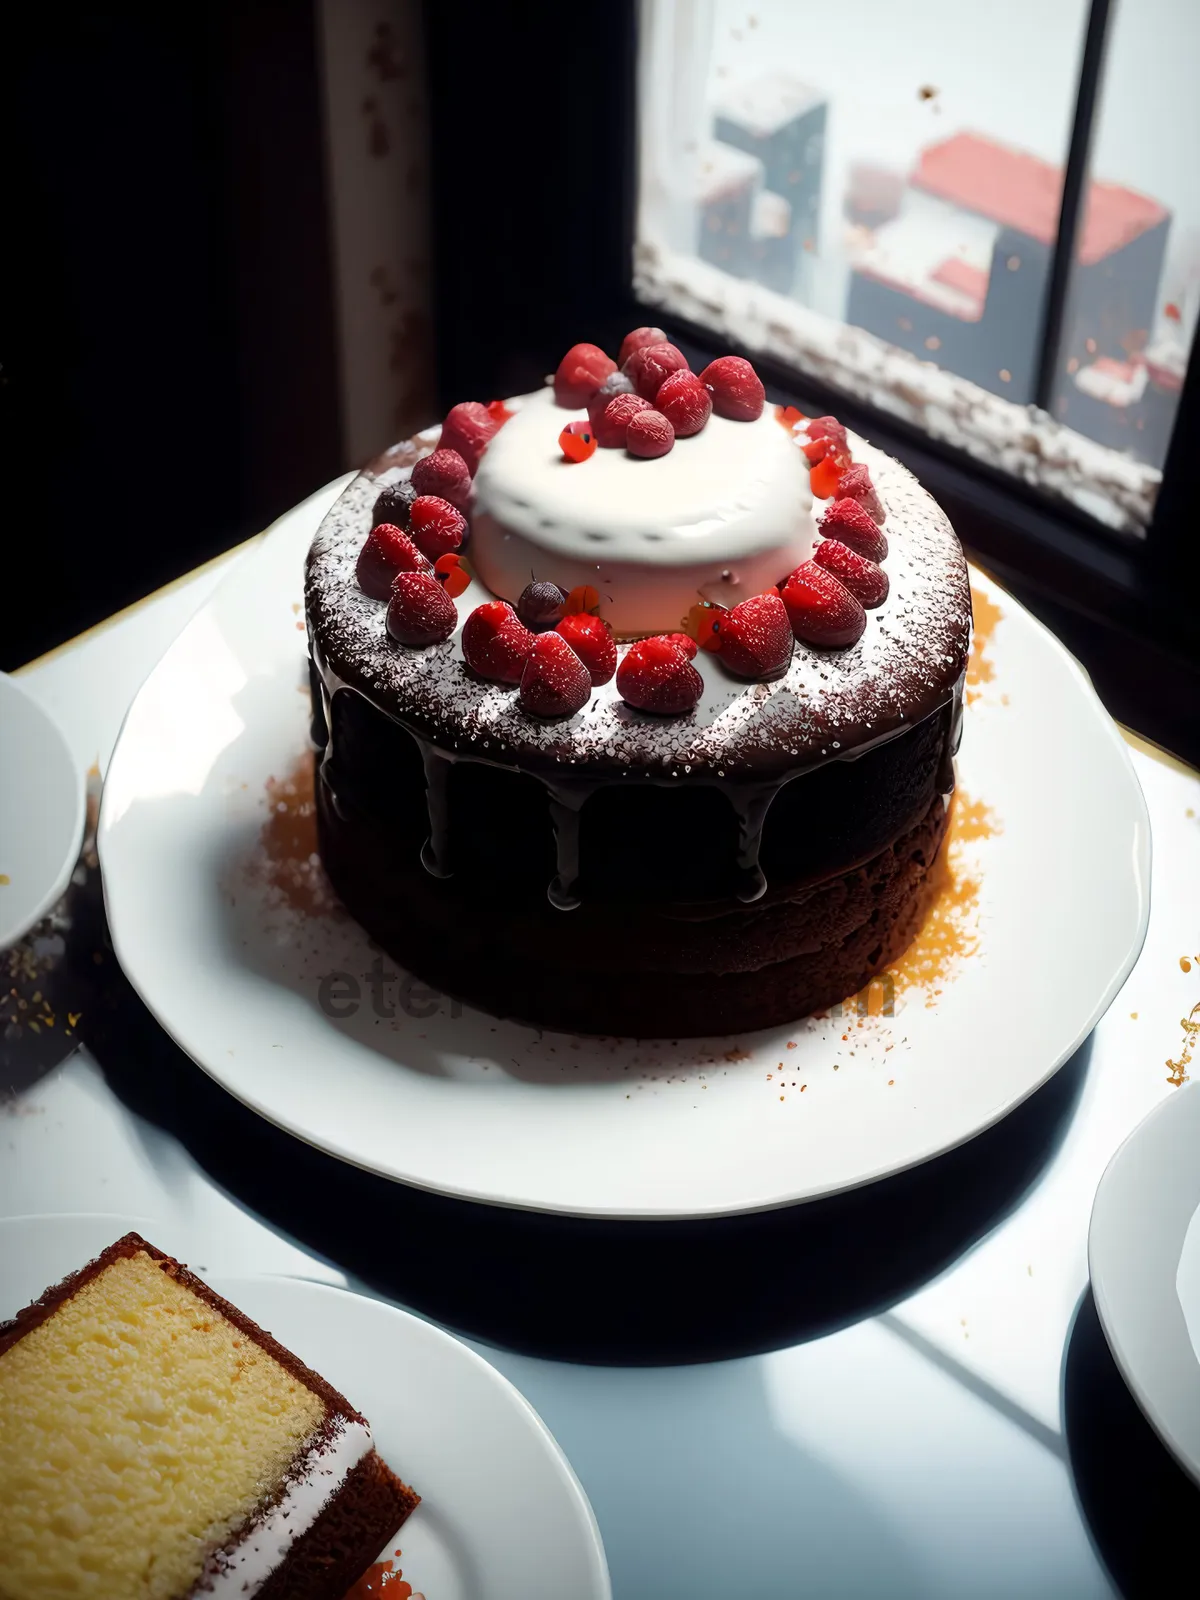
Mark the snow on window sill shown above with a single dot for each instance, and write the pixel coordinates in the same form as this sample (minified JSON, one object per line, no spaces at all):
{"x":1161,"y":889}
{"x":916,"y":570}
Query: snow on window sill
{"x":1020,"y":440}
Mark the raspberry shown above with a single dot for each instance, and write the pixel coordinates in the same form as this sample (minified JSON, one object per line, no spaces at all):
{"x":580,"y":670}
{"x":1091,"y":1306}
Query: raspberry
{"x":657,"y":676}
{"x":444,"y":473}
{"x":685,"y":402}
{"x":555,"y":681}
{"x":736,"y":388}
{"x":650,"y":365}
{"x":616,"y":383}
{"x":855,"y":484}
{"x":846,"y":520}
{"x":577,"y":441}
{"x":829,"y":428}
{"x":649,"y":434}
{"x":580,"y":373}
{"x":435,"y":525}
{"x":495,"y":643}
{"x":453,"y":575}
{"x":541,"y":606}
{"x":865,"y":581}
{"x":614,"y":420}
{"x":684,"y":642}
{"x":638,"y":340}
{"x":821,"y":610}
{"x":756,"y":637}
{"x":386,"y":552}
{"x":420,"y":611}
{"x":468,"y":428}
{"x":592,"y":641}
{"x":394,"y":504}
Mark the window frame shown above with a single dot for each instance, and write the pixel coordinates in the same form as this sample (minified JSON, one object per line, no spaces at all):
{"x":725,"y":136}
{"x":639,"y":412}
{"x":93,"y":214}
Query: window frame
{"x":574,"y":155}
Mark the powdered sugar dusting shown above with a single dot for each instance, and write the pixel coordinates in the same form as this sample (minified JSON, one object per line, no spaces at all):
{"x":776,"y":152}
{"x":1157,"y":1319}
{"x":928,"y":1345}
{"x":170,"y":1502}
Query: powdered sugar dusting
{"x":829,"y":703}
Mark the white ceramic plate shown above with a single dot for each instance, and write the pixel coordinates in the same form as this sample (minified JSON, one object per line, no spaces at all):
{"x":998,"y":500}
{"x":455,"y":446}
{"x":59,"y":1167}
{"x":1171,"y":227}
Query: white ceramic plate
{"x":43,"y":805}
{"x":502,"y":1515}
{"x":1144,"y":1257}
{"x":279,"y":1007}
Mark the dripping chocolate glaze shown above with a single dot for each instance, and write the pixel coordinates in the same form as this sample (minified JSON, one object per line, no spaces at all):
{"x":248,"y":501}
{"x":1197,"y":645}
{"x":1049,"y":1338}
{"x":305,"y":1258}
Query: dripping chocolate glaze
{"x":831,"y":706}
{"x":750,"y":801}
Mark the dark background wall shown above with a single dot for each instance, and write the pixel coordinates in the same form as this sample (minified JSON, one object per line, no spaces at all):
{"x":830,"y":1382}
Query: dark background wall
{"x":165,"y":239}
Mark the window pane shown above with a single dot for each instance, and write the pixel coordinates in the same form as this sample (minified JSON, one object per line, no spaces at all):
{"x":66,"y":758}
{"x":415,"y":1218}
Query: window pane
{"x":873,"y":197}
{"x":1135,"y":279}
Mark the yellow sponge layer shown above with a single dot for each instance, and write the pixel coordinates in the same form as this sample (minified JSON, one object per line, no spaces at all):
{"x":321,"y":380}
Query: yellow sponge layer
{"x":138,"y":1430}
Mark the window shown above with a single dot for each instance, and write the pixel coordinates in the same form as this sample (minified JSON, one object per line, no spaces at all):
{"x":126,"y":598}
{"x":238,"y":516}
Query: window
{"x":905,"y":209}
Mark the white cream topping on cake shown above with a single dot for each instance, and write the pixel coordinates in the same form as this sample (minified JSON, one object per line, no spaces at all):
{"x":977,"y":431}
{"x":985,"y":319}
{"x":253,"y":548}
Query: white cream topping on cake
{"x":721,"y":517}
{"x":243,"y":1568}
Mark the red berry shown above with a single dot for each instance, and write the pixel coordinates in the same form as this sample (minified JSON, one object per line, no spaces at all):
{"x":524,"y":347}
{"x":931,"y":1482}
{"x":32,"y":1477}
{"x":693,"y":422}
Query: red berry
{"x":577,"y":441}
{"x":684,"y":642}
{"x":394,"y":504}
{"x":702,"y":622}
{"x":420,"y":611}
{"x":829,"y":428}
{"x":736,"y":388}
{"x":498,"y":411}
{"x":638,"y":340}
{"x":651,"y":365}
{"x":827,"y":450}
{"x":435,"y":525}
{"x":582,"y":598}
{"x":685,"y":402}
{"x":657,"y":676}
{"x":592,"y":641}
{"x":495,"y":643}
{"x":555,"y":681}
{"x":867,"y":582}
{"x":446,"y":474}
{"x":821,"y":610}
{"x":756,"y":637}
{"x":824,"y":476}
{"x":846,"y":520}
{"x":616,"y":383}
{"x":855,"y":484}
{"x":468,"y":428}
{"x":386,"y":552}
{"x":649,"y":434}
{"x":787,"y":417}
{"x":580,"y":373}
{"x":454,"y":576}
{"x":613,"y":421}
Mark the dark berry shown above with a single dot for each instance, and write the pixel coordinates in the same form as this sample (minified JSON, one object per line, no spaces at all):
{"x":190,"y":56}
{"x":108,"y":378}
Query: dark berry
{"x":394,"y":504}
{"x":541,"y":606}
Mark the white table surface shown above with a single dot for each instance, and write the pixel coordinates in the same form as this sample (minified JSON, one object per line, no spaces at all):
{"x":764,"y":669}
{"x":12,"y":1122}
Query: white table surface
{"x":920,"y":1452}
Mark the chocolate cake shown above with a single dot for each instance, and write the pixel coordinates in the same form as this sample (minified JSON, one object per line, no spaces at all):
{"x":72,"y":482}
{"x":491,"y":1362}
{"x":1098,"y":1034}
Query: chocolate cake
{"x":155,"y":1444}
{"x":612,"y":734}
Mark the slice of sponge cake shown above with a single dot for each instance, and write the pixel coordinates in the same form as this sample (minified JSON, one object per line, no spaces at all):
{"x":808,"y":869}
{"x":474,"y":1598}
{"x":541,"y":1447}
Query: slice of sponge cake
{"x":155,"y":1443}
